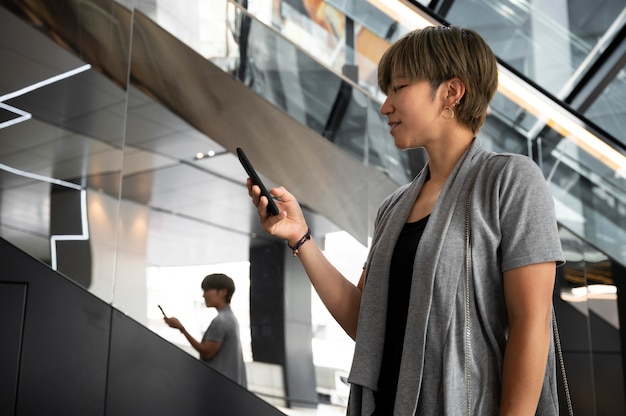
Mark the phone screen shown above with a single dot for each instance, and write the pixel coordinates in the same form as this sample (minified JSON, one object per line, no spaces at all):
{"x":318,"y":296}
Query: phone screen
{"x":272,"y":209}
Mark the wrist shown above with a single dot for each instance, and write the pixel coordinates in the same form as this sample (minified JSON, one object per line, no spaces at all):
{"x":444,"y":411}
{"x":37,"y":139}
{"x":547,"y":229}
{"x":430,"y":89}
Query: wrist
{"x":295,"y":246}
{"x":295,"y":238}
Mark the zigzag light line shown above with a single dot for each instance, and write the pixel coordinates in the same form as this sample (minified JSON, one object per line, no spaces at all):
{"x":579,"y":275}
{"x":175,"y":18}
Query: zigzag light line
{"x":23,"y":116}
{"x":45,"y":82}
{"x":83,"y":209}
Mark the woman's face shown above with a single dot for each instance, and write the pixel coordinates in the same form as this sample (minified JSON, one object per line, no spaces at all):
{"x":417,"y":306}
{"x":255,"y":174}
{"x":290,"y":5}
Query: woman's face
{"x":413,"y":113}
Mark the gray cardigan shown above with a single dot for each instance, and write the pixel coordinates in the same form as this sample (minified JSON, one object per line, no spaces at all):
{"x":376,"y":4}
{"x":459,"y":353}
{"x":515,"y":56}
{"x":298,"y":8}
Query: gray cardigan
{"x":513,"y":224}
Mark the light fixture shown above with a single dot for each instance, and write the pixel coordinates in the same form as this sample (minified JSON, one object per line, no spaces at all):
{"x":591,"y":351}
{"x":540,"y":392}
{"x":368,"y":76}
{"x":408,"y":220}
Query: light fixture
{"x":585,"y":293}
{"x":201,"y":155}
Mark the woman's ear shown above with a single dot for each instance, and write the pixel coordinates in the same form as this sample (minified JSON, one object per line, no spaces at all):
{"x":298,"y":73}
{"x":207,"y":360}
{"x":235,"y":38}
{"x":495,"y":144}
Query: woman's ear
{"x":455,"y":89}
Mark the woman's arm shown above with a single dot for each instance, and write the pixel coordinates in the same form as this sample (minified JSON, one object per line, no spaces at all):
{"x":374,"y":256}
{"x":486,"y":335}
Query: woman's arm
{"x":528,"y":295}
{"x":340,"y":296}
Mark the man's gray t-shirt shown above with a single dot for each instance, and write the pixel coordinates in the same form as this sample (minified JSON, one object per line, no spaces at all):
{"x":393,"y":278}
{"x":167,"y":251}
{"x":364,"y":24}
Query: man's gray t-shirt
{"x":229,"y":358}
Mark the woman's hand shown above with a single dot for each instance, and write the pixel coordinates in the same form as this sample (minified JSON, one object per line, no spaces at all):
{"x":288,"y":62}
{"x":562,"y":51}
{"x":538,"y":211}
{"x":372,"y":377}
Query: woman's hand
{"x":289,"y":224}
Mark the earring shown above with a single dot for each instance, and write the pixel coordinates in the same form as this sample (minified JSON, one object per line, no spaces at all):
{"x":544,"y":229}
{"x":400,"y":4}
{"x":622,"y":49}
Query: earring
{"x":447,"y":113}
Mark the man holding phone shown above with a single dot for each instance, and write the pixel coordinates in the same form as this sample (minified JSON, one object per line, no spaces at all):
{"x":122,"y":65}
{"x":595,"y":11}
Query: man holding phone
{"x":220,"y":346}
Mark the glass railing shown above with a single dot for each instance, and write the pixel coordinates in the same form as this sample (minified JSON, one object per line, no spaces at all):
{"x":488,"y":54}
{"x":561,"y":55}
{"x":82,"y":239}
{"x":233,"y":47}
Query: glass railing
{"x":555,"y":45}
{"x":302,"y":74}
{"x":587,"y":176}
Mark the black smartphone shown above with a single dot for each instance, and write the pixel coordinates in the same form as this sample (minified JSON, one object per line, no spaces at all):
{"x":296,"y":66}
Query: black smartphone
{"x":272,"y":209}
{"x":161,"y":309}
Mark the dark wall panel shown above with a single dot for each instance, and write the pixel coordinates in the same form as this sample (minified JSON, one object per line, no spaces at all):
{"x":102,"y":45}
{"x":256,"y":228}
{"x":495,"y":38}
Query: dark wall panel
{"x":65,"y":341}
{"x":267,"y":302}
{"x":149,"y":376}
{"x":12,"y":308}
{"x":607,"y":365}
{"x":73,"y":256}
{"x":280,"y":318}
{"x":572,"y":327}
{"x":69,"y":353}
{"x":609,"y":385}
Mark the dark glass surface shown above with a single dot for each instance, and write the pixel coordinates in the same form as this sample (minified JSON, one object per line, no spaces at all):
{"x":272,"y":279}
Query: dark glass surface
{"x":71,"y":131}
{"x":97,"y":360}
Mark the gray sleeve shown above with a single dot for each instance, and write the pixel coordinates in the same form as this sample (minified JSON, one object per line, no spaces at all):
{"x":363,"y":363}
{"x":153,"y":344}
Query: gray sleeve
{"x":216,"y":331}
{"x":529,"y":227}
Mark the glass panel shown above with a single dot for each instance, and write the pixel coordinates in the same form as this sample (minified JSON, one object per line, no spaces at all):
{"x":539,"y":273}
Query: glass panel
{"x":587,"y":309}
{"x":544,"y":40}
{"x":61,"y":137}
{"x":608,"y":109}
{"x":210,"y":223}
{"x":312,"y":93}
{"x":589,"y":195}
{"x":586,"y":175}
{"x":571,"y":305}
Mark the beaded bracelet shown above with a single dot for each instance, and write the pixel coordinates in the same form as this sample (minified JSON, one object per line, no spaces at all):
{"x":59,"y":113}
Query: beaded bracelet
{"x":303,"y":240}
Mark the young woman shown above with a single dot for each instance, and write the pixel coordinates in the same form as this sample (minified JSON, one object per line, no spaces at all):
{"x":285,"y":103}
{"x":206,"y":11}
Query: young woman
{"x":442,"y":326}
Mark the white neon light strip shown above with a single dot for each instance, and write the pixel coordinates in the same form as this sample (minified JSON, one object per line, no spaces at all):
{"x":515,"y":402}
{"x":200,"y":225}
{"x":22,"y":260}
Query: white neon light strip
{"x":45,"y":82}
{"x":83,"y":209}
{"x":71,"y":237}
{"x":40,"y":177}
{"x":23,"y":116}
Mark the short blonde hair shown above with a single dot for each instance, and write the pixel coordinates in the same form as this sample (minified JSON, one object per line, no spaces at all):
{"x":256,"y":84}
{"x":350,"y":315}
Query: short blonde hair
{"x":439,"y":53}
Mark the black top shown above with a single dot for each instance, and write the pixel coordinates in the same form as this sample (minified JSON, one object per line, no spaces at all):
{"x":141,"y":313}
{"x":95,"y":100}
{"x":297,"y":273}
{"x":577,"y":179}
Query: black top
{"x":400,"y":275}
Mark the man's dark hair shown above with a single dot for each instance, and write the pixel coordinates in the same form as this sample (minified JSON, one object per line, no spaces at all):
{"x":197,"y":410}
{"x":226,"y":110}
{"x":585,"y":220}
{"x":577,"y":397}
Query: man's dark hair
{"x":219,"y":281}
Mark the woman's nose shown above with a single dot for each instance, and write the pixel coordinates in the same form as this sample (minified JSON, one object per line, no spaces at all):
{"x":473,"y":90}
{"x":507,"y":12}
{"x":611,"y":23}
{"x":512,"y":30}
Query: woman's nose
{"x":386,"y":108}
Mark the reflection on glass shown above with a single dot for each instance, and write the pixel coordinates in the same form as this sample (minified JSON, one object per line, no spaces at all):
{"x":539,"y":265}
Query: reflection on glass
{"x":543,"y":41}
{"x":587,"y":310}
{"x":607,"y":109}
{"x":61,"y":154}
